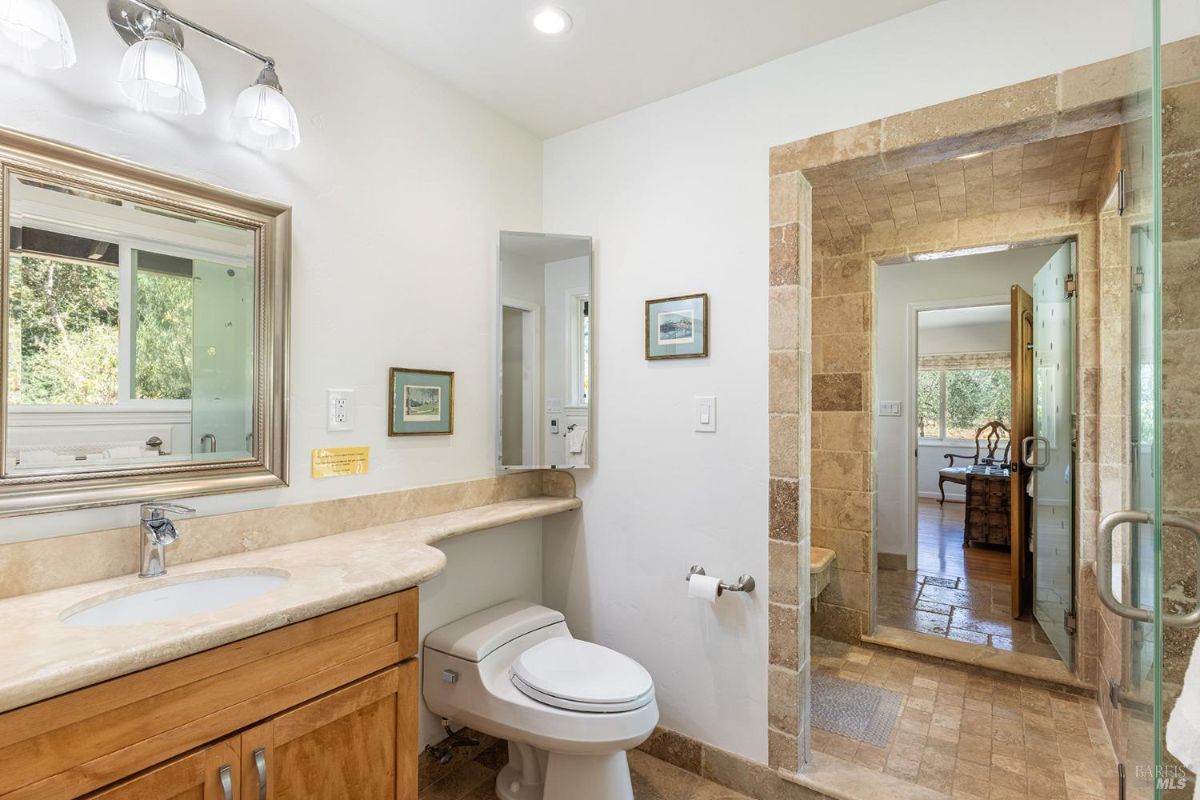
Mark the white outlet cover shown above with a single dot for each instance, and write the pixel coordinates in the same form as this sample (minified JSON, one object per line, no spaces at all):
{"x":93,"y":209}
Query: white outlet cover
{"x":889,"y":408}
{"x":339,"y":409}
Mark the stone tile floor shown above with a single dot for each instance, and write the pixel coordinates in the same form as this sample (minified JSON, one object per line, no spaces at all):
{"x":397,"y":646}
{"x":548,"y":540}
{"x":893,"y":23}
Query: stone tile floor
{"x":965,"y":609}
{"x":652,"y":780}
{"x":972,"y":734}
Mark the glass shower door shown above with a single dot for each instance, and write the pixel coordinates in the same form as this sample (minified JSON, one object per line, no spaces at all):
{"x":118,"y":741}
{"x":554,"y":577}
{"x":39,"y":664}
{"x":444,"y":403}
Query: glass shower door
{"x":1053,"y":522}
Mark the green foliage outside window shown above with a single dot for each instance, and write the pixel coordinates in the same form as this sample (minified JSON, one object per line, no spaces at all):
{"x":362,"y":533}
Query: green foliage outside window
{"x":64,"y":315}
{"x":955,"y":403}
{"x":163,"y":341}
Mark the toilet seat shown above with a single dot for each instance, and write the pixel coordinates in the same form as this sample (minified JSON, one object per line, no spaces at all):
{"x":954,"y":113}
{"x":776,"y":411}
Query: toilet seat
{"x":581,"y":676}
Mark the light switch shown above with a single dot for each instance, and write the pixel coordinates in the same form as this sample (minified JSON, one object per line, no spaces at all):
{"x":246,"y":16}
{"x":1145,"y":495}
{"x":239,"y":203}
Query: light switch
{"x":340,"y":409}
{"x":889,"y":408}
{"x":706,"y":414}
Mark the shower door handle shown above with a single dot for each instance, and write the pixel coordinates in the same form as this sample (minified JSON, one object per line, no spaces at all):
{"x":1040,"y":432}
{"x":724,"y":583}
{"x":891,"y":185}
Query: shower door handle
{"x":1027,"y":451}
{"x":1104,"y":537}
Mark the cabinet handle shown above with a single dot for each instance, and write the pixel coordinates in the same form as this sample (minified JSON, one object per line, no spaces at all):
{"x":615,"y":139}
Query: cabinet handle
{"x":226,"y":774}
{"x":260,"y":764}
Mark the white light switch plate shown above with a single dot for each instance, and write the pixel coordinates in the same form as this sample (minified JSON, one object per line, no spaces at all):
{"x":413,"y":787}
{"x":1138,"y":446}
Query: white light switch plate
{"x":339,"y":408}
{"x":705,"y":414}
{"x":889,"y":408}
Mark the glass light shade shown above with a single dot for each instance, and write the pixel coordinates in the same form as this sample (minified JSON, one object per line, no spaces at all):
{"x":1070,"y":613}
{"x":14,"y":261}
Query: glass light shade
{"x":157,"y":76}
{"x":263,"y":118}
{"x":35,"y":33}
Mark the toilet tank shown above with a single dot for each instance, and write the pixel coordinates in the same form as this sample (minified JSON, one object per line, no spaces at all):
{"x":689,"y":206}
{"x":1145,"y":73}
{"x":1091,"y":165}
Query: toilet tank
{"x":475,"y":637}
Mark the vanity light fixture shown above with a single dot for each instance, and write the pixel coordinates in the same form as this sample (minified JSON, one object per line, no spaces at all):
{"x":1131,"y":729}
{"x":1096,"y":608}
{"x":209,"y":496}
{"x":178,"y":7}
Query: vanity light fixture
{"x":552,"y":21}
{"x":263,"y":117}
{"x":158,"y":76}
{"x":34,"y":33}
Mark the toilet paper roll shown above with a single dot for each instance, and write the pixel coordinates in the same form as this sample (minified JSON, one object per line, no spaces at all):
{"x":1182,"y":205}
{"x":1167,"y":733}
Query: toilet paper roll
{"x":704,"y":587}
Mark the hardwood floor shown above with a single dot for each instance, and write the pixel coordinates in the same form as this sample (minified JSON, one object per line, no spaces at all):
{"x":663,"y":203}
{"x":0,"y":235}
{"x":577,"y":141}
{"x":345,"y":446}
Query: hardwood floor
{"x":940,"y":548}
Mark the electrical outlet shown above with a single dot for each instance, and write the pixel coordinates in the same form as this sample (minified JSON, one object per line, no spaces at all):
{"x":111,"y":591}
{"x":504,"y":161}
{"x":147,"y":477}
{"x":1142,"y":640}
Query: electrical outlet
{"x":340,"y":408}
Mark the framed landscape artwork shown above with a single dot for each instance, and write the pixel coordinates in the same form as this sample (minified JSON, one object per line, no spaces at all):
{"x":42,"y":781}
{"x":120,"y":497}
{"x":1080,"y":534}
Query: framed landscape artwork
{"x":677,"y":327}
{"x":420,"y":402}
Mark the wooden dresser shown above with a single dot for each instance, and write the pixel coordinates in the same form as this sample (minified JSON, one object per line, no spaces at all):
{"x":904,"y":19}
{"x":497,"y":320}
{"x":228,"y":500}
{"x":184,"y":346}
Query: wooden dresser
{"x":324,"y":709}
{"x":987,"y":514}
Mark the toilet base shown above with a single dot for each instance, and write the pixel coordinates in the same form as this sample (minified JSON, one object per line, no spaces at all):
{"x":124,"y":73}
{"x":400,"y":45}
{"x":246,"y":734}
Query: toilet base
{"x":536,"y":775}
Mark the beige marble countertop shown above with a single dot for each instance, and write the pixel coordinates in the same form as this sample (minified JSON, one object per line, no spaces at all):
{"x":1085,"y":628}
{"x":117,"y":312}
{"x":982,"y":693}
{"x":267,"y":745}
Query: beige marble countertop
{"x":43,"y":657}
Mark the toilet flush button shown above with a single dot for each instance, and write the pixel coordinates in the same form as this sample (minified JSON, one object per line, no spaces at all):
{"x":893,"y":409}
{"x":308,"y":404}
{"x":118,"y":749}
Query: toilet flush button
{"x":449,"y":676}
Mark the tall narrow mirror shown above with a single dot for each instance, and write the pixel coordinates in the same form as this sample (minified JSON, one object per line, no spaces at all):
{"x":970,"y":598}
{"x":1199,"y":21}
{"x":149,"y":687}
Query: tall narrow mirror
{"x":544,"y":359}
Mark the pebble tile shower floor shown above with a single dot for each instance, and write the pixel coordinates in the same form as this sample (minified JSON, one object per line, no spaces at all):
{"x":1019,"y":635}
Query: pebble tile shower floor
{"x":972,"y":734}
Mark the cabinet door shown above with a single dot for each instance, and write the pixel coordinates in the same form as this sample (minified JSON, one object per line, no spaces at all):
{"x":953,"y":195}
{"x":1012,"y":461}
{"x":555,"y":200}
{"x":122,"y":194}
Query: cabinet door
{"x":208,"y":774}
{"x":359,"y":742}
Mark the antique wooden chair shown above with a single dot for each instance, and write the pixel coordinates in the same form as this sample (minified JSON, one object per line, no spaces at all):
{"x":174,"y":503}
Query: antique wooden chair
{"x":989,"y":435}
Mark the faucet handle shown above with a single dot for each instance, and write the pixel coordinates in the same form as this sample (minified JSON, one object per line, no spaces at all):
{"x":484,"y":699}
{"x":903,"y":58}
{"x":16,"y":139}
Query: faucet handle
{"x":158,"y":510}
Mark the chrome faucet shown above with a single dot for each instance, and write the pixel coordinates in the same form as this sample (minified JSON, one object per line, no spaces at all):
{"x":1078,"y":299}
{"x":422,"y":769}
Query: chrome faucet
{"x":158,"y":531}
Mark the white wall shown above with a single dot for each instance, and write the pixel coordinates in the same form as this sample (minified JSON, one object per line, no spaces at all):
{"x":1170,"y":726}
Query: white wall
{"x":675,"y":193}
{"x":399,"y":190}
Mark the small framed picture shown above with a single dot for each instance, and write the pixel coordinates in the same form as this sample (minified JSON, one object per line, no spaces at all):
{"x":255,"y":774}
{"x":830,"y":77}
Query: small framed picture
{"x":677,"y":327}
{"x":420,"y":402}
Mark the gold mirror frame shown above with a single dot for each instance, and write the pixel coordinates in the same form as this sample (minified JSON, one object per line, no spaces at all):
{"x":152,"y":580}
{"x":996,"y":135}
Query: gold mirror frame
{"x":267,"y":467}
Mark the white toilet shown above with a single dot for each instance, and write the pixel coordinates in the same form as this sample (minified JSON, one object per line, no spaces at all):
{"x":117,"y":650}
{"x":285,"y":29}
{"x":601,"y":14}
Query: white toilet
{"x":568,"y":708}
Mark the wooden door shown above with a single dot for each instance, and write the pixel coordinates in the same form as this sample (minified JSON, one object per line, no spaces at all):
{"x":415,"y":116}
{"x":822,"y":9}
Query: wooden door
{"x":357,"y":742}
{"x":1021,"y":323}
{"x":208,"y":774}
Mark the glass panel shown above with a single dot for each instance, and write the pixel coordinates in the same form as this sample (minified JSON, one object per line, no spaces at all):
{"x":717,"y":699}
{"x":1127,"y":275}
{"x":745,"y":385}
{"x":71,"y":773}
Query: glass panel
{"x":223,"y":379}
{"x":1054,"y":426}
{"x":1137,"y":553}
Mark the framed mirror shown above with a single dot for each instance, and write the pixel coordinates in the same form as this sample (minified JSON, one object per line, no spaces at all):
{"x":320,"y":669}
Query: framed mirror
{"x":145,"y":321}
{"x":545,"y":369}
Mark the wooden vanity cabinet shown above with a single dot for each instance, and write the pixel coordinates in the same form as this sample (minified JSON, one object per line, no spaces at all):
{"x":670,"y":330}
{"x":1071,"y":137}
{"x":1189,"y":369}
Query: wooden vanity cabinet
{"x":324,"y":709}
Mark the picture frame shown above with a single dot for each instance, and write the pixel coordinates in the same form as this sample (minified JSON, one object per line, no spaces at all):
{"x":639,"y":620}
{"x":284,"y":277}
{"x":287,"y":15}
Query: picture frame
{"x":420,"y":402}
{"x":677,"y":327}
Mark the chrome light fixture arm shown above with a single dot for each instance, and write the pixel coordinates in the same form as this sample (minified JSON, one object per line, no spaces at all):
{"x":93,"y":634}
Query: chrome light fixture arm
{"x":127,"y":17}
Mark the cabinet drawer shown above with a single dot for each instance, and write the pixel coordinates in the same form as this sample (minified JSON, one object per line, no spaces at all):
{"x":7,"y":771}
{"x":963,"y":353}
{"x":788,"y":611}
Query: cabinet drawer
{"x":72,"y":744}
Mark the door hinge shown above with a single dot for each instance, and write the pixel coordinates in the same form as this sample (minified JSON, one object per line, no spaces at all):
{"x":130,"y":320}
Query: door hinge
{"x":1138,"y":279}
{"x":1070,"y":622}
{"x":1121,"y":193}
{"x":1070,"y":285}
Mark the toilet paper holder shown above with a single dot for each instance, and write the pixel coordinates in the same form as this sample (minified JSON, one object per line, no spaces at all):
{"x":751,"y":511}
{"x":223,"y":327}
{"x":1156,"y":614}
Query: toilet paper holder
{"x":745,"y":583}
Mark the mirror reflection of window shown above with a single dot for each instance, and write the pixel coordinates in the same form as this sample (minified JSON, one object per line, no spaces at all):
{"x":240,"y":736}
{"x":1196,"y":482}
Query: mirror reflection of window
{"x":131,"y":331}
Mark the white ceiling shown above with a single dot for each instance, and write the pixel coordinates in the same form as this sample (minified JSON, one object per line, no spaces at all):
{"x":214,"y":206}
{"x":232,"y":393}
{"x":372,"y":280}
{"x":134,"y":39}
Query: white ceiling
{"x":620,"y":54}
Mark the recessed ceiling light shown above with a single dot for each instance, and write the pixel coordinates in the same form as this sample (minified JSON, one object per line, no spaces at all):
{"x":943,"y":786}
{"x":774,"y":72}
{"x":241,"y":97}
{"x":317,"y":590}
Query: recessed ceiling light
{"x":552,"y":21}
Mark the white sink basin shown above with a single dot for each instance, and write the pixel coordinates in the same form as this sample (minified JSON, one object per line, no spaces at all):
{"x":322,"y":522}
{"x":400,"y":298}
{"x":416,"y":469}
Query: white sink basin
{"x":159,"y":601}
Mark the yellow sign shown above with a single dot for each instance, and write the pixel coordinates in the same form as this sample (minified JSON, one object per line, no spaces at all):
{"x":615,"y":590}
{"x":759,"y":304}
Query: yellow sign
{"x":329,"y":462}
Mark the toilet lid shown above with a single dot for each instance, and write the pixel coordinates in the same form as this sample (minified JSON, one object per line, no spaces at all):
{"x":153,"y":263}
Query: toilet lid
{"x":581,"y":676}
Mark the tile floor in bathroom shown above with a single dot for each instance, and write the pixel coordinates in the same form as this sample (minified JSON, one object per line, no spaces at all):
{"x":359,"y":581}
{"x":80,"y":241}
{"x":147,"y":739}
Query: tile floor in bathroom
{"x":652,"y":780}
{"x":957,"y":593}
{"x":972,"y":734}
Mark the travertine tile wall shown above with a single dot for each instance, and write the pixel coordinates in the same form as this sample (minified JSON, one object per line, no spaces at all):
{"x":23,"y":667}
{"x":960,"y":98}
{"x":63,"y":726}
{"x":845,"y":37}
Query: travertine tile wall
{"x":1181,"y":369}
{"x":1063,"y":107}
{"x":843,"y":426}
{"x":789,"y":379}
